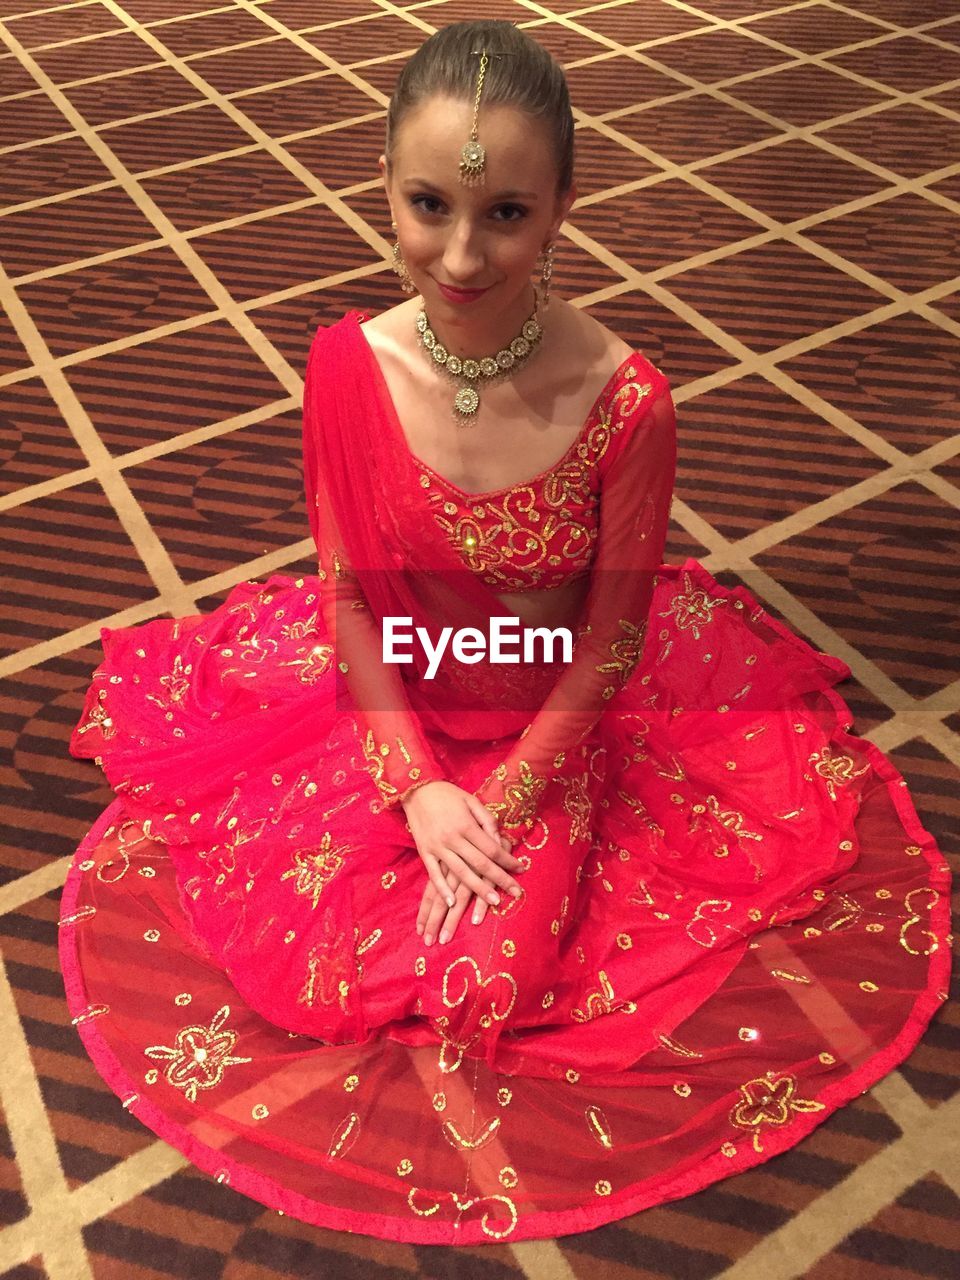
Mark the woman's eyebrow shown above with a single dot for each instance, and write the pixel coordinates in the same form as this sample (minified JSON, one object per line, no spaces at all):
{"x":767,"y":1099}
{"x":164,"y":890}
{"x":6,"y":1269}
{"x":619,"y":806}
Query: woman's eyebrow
{"x":501,"y":195}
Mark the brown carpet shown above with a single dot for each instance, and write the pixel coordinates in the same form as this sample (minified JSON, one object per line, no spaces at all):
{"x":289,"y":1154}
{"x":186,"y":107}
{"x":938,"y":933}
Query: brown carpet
{"x":770,"y":210}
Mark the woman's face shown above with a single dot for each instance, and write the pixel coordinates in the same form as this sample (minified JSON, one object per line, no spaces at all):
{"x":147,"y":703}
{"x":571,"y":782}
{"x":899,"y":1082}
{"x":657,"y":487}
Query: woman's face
{"x":487,"y":236}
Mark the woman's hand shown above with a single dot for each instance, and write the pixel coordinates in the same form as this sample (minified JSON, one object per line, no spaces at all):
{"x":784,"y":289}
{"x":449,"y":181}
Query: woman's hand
{"x":451,"y":826}
{"x":434,"y":913}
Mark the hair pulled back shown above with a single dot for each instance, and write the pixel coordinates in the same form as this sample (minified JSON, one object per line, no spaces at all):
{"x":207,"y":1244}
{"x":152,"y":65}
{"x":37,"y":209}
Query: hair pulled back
{"x":528,"y":77}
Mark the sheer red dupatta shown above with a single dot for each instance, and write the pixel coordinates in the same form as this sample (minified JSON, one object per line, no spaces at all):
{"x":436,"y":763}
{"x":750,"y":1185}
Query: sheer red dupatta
{"x":365,"y":504}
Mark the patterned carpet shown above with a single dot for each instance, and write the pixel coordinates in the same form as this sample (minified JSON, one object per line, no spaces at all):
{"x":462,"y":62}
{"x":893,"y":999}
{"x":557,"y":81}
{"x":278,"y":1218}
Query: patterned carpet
{"x":769,"y":208}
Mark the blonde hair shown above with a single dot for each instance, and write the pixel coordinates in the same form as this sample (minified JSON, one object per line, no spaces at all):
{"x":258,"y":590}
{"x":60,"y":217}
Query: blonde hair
{"x":528,"y":78}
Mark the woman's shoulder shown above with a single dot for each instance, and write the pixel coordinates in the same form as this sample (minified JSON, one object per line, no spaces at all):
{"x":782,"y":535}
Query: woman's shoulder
{"x":596,"y":344}
{"x":339,"y":333}
{"x":637,"y":393}
{"x":587,"y":344}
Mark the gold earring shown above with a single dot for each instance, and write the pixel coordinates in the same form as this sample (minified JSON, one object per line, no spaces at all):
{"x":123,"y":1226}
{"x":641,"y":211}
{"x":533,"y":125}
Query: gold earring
{"x":400,"y":267}
{"x":546,"y":271}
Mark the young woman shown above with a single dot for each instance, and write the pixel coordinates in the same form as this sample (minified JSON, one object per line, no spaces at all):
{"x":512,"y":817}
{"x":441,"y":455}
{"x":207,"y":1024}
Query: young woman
{"x":457,"y":949}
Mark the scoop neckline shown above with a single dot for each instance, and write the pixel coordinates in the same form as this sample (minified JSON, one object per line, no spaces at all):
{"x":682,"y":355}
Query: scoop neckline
{"x":360,"y":316}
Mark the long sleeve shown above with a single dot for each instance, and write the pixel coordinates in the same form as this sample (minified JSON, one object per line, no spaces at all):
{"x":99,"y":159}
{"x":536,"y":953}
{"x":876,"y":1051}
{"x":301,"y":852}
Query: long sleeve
{"x":396,"y":752}
{"x":635,"y":495}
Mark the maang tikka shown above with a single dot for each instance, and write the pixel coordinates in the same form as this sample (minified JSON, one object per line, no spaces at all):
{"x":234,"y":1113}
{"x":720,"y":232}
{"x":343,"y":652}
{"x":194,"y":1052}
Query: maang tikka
{"x":473,"y":157}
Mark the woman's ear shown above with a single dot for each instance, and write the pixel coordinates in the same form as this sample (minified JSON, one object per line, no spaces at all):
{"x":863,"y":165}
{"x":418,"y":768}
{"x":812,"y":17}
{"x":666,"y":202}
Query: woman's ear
{"x":563,"y":207}
{"x":382,"y":164}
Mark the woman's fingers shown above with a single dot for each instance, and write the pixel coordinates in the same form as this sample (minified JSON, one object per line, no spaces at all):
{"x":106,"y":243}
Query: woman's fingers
{"x":439,"y":910}
{"x":455,"y":914}
{"x":474,"y":868}
{"x":426,"y":902}
{"x":496,"y":846}
{"x":461,"y":877}
{"x":438,"y":917}
{"x":434,"y":916}
{"x":434,"y":920}
{"x":437,"y":878}
{"x":486,"y":835}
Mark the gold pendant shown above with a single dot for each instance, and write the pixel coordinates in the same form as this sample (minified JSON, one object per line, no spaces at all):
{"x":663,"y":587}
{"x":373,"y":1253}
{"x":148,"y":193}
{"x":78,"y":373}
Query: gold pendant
{"x":472,"y":160}
{"x":466,"y":401}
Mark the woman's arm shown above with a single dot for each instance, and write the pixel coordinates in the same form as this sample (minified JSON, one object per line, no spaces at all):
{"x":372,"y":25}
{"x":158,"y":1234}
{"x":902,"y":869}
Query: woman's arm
{"x":635,"y":491}
{"x":396,"y":751}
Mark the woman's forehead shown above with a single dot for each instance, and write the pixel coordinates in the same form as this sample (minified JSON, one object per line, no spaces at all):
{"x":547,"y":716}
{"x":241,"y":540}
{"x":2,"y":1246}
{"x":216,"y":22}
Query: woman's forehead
{"x":432,"y":134}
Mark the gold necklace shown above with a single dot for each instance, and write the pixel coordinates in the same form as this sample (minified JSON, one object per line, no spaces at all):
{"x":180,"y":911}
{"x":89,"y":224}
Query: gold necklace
{"x":487,"y":368}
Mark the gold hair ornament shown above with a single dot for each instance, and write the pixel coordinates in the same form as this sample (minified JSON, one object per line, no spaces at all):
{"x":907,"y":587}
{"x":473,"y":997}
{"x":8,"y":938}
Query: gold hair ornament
{"x":473,"y":158}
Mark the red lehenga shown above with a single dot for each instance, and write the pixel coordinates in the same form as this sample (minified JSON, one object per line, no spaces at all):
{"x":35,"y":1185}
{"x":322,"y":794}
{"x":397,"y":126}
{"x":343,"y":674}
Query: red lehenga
{"x":732,"y":920}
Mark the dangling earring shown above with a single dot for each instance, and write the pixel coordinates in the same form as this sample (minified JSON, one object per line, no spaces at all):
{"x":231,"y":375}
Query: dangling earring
{"x":400,"y":267}
{"x":546,"y":271}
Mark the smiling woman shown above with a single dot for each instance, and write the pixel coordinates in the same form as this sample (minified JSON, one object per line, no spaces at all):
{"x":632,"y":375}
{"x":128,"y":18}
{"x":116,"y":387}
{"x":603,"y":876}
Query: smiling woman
{"x":704,"y":914}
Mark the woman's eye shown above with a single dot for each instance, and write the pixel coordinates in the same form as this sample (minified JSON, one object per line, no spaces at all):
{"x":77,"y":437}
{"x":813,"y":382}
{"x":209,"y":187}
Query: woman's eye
{"x":431,"y":205}
{"x":416,"y":202}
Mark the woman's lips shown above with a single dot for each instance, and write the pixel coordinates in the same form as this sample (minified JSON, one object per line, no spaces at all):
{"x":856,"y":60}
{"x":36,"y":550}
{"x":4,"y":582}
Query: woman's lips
{"x":460,"y":295}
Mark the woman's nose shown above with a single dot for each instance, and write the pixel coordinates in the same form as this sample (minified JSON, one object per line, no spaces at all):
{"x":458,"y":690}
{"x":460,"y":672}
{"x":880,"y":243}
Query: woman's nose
{"x":463,"y":255}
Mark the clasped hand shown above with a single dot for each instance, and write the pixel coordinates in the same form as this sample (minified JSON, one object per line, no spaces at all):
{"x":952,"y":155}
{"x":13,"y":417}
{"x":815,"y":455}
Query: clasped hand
{"x":464,"y":854}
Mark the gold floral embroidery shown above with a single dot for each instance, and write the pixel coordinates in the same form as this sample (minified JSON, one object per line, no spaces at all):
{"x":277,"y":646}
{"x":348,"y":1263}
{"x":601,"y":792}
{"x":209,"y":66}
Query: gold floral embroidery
{"x":99,"y":718}
{"x":769,"y":1100}
{"x":521,"y":796}
{"x":602,"y":1002}
{"x":929,"y":897}
{"x":177,"y":685}
{"x":510,"y":541}
{"x":568,"y":483}
{"x":478,"y":544}
{"x":846,"y":913}
{"x":681,"y":1050}
{"x":557,"y":924}
{"x":487,"y":1220}
{"x":375,"y":757}
{"x":836,"y":771}
{"x":200,"y":1055}
{"x":599,"y":1126}
{"x":480,"y":999}
{"x":707,"y":935}
{"x":731,"y":820}
{"x":473,"y":1143}
{"x":315,"y":867}
{"x":625,"y":653}
{"x":328,"y":969}
{"x":345,"y":1135}
{"x":316,"y":664}
{"x":369,"y":941}
{"x":579,"y":808}
{"x":301,"y":628}
{"x":692,"y":608}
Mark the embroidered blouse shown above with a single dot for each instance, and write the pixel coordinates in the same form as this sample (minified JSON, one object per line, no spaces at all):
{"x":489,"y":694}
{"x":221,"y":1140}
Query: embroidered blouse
{"x":600,"y":512}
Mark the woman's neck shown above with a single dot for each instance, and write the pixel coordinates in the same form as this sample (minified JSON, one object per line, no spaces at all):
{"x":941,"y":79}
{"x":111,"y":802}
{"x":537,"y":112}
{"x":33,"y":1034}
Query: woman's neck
{"x":483,"y":334}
